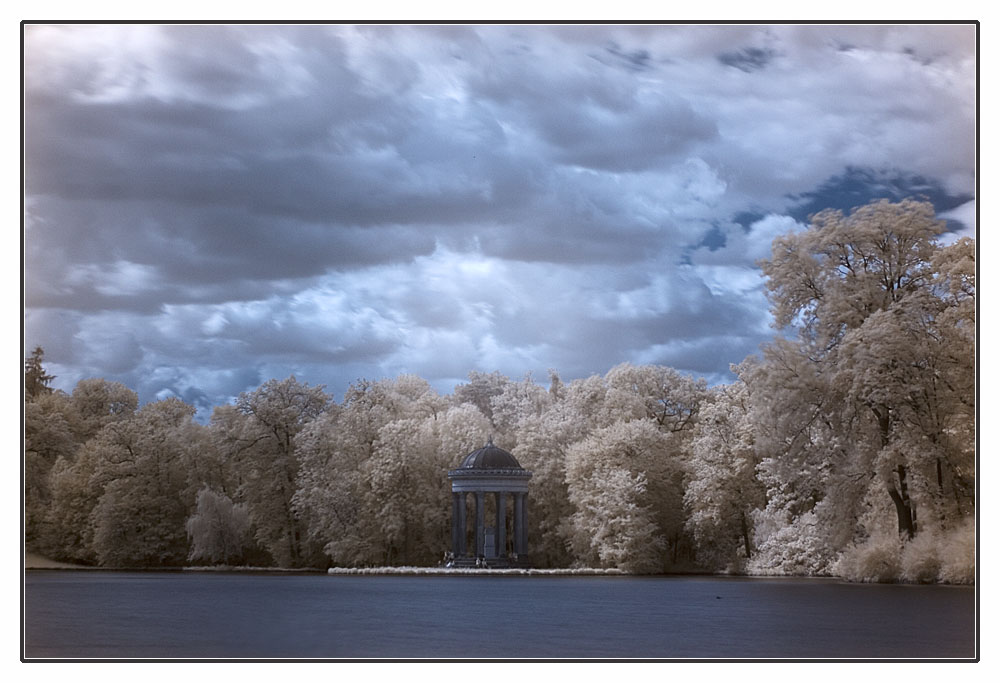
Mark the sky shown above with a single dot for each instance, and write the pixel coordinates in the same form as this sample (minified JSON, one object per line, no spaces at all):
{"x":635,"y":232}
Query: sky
{"x":208,"y":207}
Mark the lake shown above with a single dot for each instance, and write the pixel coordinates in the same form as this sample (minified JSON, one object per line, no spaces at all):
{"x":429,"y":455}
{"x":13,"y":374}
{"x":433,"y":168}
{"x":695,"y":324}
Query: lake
{"x":188,"y":615}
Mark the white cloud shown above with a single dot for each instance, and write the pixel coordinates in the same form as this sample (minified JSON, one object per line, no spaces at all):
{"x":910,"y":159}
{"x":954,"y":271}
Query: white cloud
{"x":964,"y":214}
{"x":744,"y":247}
{"x":121,"y":278}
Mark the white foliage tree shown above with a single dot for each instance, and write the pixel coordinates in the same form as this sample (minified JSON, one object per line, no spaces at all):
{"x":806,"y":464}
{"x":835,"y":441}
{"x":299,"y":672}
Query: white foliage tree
{"x":139,"y":519}
{"x":97,"y":402}
{"x":542,"y":442}
{"x":878,"y":389}
{"x":660,"y":393}
{"x":373,"y":482}
{"x":329,"y":485}
{"x":480,"y":391}
{"x":724,"y":492}
{"x":69,"y":533}
{"x":517,"y":402}
{"x":260,"y":435}
{"x":608,"y":475}
{"x":219,"y":530}
{"x":47,"y":438}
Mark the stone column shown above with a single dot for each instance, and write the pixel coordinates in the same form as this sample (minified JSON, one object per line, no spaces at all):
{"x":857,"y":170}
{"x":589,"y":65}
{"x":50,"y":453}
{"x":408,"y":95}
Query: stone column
{"x":501,"y":536}
{"x":480,"y":523}
{"x":518,"y":522}
{"x":524,"y":523}
{"x":463,"y":523}
{"x":458,"y":524}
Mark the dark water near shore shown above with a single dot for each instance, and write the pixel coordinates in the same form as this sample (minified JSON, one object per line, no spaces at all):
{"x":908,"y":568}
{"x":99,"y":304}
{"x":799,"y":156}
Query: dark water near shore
{"x":192,"y":615}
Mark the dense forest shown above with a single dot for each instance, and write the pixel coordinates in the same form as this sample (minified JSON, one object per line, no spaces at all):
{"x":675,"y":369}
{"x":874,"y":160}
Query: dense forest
{"x":846,"y":447}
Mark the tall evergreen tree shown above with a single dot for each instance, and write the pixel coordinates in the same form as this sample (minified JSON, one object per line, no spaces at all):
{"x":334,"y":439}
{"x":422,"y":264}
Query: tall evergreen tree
{"x":36,"y":380}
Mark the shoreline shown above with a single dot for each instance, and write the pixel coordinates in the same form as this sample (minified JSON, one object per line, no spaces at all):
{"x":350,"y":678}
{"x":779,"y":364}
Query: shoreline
{"x":37,"y":563}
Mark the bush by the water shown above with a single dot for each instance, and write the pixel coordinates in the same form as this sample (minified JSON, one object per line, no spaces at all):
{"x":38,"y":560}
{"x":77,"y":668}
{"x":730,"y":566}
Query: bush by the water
{"x":876,"y":560}
{"x":932,"y":556}
{"x":958,"y":555}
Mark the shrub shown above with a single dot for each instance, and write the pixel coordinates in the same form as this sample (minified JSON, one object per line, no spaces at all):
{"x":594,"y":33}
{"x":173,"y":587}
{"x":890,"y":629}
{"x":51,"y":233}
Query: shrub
{"x":958,"y":554}
{"x":877,"y":560}
{"x":920,"y":562}
{"x":789,"y":548}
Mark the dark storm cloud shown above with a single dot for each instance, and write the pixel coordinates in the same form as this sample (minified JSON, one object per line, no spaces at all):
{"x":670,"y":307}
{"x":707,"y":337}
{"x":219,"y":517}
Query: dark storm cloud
{"x":748,"y":58}
{"x":208,"y":207}
{"x":589,"y":118}
{"x":633,"y":60}
{"x":220,"y":160}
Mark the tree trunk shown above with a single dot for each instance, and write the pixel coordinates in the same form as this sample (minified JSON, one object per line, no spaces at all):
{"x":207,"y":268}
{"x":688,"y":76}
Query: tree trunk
{"x":900,"y":496}
{"x":904,"y":507}
{"x":958,"y":497}
{"x":746,"y":534}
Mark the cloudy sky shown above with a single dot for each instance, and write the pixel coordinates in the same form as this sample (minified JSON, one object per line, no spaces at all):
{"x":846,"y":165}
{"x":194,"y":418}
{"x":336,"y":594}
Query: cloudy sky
{"x":209,"y":207}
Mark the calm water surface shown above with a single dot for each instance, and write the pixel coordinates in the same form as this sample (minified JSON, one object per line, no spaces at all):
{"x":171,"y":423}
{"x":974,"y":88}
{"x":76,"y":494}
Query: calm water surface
{"x":80,"y":614}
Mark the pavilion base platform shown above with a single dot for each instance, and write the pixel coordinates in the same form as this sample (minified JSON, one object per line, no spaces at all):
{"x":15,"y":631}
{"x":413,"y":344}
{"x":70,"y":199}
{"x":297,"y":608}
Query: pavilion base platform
{"x":519,"y":562}
{"x":473,"y":571}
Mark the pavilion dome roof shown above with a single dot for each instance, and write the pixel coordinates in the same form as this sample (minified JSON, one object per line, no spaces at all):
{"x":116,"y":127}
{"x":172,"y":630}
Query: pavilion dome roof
{"x":490,"y":457}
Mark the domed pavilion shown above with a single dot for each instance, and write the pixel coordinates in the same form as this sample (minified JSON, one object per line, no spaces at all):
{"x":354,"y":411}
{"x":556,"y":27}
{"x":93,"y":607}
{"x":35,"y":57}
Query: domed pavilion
{"x":490,"y":470}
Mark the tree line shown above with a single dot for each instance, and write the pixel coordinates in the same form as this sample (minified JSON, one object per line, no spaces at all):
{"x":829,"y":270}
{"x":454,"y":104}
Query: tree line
{"x":846,"y":447}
